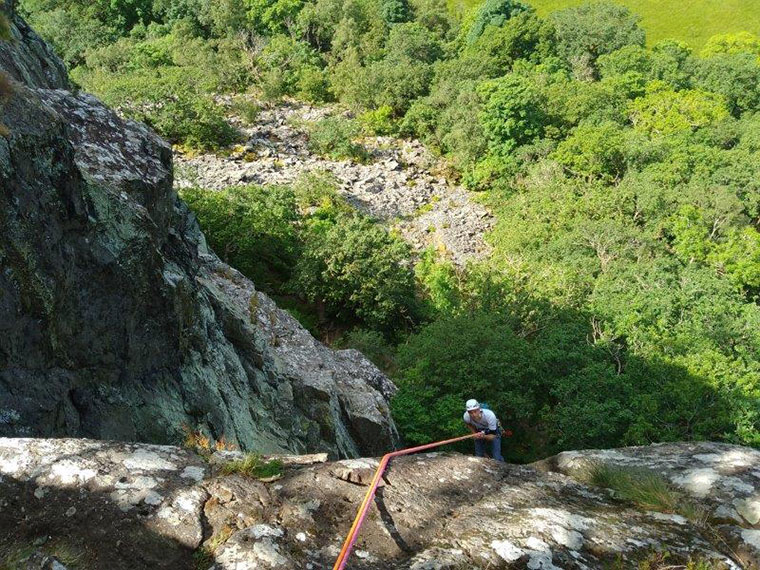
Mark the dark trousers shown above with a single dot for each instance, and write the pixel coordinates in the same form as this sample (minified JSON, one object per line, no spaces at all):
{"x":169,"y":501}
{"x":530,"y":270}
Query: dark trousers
{"x":480,"y":446}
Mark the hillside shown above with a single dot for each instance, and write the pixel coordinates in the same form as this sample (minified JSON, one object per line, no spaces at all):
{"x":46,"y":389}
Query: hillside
{"x":613,"y":299}
{"x":693,"y":22}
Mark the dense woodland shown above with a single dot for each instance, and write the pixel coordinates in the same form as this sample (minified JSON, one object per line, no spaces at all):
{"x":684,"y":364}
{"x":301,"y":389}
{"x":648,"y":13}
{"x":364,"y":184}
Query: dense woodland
{"x":620,"y":304}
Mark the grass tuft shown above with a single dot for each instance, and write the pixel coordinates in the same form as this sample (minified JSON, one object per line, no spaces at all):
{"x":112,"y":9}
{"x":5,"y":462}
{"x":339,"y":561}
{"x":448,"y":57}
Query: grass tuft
{"x":253,"y":465}
{"x":646,"y":489}
{"x":643,"y":487}
{"x":204,"y":556}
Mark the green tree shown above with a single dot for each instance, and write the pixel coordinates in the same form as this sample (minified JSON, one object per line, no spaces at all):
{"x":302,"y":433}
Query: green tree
{"x":357,"y":272}
{"x":273,"y":16}
{"x":523,"y":36}
{"x":250,"y":227}
{"x":512,"y":113}
{"x":736,"y":77}
{"x":493,"y":13}
{"x":594,"y":150}
{"x":663,"y":111}
{"x":741,"y":42}
{"x":396,"y":11}
{"x":588,"y":31}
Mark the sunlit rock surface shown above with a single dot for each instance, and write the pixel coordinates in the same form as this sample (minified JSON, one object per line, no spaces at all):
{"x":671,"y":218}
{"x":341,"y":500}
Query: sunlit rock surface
{"x":118,"y":322}
{"x":723,"y":479}
{"x":119,"y":505}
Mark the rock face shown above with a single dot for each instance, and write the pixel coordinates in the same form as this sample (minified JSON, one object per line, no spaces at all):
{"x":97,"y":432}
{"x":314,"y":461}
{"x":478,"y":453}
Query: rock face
{"x":722,"y":479}
{"x":118,"y":505}
{"x":397,"y":186}
{"x":117,"y":322}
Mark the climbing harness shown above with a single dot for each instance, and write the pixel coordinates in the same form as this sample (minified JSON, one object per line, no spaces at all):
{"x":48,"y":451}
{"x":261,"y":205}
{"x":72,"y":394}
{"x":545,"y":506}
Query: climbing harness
{"x":345,"y":552}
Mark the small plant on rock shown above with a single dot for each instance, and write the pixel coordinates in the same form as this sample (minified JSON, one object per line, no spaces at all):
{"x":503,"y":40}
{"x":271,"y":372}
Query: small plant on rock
{"x":204,"y":556}
{"x":255,"y":466}
{"x":247,"y":110}
{"x":334,"y":138}
{"x":203,"y":445}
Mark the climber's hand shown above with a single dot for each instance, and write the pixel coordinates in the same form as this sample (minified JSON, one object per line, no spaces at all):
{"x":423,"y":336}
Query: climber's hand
{"x":480,"y":435}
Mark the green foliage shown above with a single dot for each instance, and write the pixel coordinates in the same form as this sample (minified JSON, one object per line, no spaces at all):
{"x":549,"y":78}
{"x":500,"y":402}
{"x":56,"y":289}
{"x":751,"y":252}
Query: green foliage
{"x":253,"y":465}
{"x":663,"y":111}
{"x":742,"y":42}
{"x":694,"y":22}
{"x":246,"y":109}
{"x":371,"y":344}
{"x":273,"y":16}
{"x":596,"y":151}
{"x":736,"y":77}
{"x":164,"y":100}
{"x":440,"y":282}
{"x":403,"y":74}
{"x":291,"y":67}
{"x":434,"y":15}
{"x":251,"y":228}
{"x":317,"y":191}
{"x":493,"y":13}
{"x":523,"y":36}
{"x":379,"y":122}
{"x":71,"y":30}
{"x":512,"y":113}
{"x":358,"y":272}
{"x":395,"y":11}
{"x":619,"y":304}
{"x":593,"y":29}
{"x":334,"y":137}
{"x":5,"y":27}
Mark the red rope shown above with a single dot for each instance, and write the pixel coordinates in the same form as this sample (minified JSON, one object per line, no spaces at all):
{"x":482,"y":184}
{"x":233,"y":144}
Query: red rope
{"x":348,"y":544}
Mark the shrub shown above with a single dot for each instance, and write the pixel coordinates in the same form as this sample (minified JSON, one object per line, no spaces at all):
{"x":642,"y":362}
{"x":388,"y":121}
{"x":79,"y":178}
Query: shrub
{"x":246,"y":109}
{"x":357,"y":272}
{"x":379,"y":121}
{"x":288,"y":66}
{"x":313,"y":85}
{"x":334,"y":138}
{"x":250,"y":227}
{"x":169,"y":99}
{"x":371,"y":344}
{"x":316,"y":193}
{"x":192,"y":121}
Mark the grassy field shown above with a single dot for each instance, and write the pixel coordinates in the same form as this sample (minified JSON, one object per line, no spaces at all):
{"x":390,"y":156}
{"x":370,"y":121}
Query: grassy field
{"x":692,"y":21}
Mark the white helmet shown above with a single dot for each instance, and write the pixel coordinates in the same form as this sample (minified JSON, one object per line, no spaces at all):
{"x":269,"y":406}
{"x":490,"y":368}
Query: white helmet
{"x":472,"y":405}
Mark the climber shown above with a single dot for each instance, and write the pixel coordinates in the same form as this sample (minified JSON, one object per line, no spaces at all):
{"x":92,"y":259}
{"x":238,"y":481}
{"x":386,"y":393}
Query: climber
{"x":486,"y":425}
